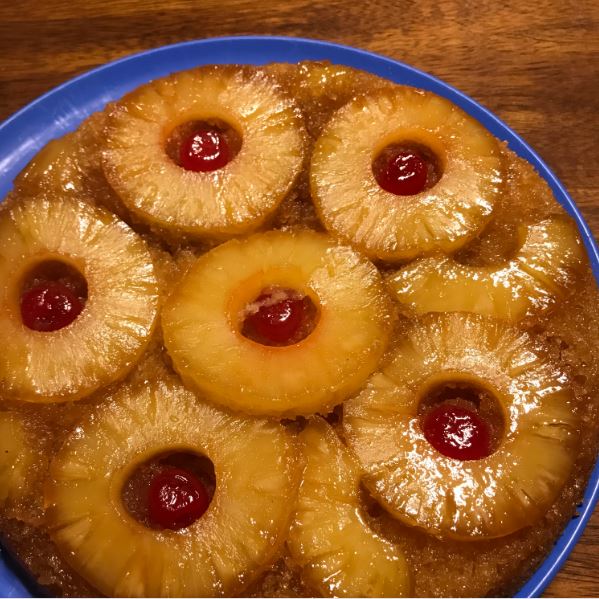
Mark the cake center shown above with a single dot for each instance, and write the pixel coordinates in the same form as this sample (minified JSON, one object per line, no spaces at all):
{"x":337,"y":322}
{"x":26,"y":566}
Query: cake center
{"x":406,"y":168}
{"x":53,"y":294}
{"x":279,"y":317}
{"x":461,"y":421}
{"x":171,"y":491}
{"x":203,"y":146}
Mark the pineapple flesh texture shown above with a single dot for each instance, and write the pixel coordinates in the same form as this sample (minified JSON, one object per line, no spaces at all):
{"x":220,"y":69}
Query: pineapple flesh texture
{"x":109,"y":336}
{"x":202,"y":324}
{"x":241,"y":533}
{"x":71,"y":166}
{"x":233,"y":200}
{"x":353,"y":206}
{"x":340,"y":555}
{"x":486,"y":498}
{"x":16,"y":458}
{"x":56,"y":167}
{"x":540,"y":274}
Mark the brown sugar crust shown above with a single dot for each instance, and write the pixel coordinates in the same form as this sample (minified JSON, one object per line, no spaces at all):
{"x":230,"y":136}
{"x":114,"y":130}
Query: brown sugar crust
{"x":441,"y":567}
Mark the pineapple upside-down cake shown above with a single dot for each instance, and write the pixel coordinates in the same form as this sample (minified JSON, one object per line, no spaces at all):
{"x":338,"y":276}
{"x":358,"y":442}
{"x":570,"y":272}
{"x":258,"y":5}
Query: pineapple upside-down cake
{"x":289,"y":330}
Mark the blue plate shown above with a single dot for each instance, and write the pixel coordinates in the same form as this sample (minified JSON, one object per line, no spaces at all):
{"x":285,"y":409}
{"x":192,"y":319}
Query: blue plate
{"x":62,"y":109}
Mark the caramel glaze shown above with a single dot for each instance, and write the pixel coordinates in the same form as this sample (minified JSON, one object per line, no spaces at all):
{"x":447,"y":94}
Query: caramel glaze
{"x":441,"y":567}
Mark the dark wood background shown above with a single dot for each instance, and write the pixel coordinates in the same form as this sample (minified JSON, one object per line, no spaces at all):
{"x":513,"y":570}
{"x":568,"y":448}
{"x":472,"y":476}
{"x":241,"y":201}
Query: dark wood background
{"x":534,"y":63}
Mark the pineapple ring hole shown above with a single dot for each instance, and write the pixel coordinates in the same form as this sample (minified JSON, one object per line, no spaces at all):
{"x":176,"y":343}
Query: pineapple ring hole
{"x":55,"y":271}
{"x":278,"y":317}
{"x":134,"y":494}
{"x":469,"y":396}
{"x":182,"y":132}
{"x":433,"y":163}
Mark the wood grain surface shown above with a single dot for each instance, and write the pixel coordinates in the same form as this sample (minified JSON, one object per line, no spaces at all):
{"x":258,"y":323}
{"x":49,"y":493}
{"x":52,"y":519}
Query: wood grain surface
{"x":535,"y":64}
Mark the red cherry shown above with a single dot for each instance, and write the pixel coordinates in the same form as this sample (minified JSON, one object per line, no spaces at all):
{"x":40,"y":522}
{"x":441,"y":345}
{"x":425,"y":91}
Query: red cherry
{"x":405,"y":173}
{"x":277,"y":322}
{"x":176,"y":498}
{"x":49,"y":306}
{"x":206,"y":149}
{"x":457,"y":433}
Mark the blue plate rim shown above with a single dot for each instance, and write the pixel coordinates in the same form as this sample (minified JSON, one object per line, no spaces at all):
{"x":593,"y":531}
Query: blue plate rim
{"x":358,"y":58}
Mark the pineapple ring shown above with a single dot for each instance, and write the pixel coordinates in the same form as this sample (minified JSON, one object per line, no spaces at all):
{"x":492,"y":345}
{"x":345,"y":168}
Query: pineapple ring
{"x":491,"y":497}
{"x":255,"y":462}
{"x":71,"y":166}
{"x":233,"y":200}
{"x":534,"y":280}
{"x":202,"y":332}
{"x":352,"y":205}
{"x":16,"y":458}
{"x":57,"y":166}
{"x":107,"y":339}
{"x":349,"y":560}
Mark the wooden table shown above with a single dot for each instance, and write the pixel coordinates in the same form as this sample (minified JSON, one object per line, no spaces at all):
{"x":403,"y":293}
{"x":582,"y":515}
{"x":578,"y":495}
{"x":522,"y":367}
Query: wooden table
{"x":535,"y":64}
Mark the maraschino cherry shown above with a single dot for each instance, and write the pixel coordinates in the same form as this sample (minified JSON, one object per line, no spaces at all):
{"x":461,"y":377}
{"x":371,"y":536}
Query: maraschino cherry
{"x":49,"y":306}
{"x":176,"y":498}
{"x":276,"y":322}
{"x":404,"y":174}
{"x":457,"y":432}
{"x":205,"y":149}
